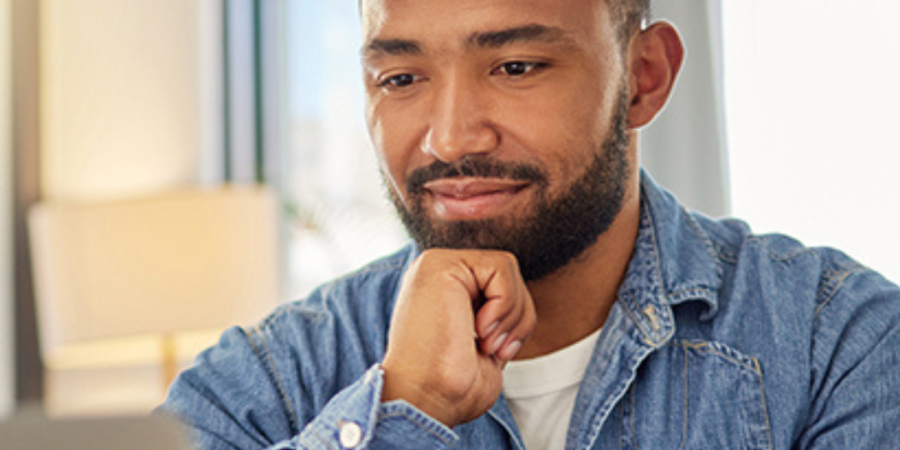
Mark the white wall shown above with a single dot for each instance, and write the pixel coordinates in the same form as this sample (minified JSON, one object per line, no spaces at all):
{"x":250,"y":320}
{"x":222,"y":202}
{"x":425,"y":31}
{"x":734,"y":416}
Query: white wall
{"x":685,"y":147}
{"x":7,"y":359}
{"x":130,"y":100}
{"x":816,"y":156}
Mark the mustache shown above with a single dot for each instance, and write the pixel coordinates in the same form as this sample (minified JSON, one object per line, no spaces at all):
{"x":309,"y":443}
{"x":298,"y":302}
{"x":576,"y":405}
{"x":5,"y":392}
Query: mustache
{"x":474,"y":167}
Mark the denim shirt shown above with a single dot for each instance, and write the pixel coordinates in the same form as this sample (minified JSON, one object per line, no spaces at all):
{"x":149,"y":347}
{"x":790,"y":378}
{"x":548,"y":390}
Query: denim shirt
{"x":720,"y":339}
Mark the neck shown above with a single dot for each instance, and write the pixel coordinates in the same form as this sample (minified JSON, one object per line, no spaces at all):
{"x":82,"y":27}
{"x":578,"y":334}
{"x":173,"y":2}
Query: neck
{"x":575,"y":301}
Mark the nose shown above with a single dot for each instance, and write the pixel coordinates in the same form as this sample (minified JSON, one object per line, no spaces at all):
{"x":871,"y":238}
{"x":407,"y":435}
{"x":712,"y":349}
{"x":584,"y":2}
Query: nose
{"x":459,"y":123}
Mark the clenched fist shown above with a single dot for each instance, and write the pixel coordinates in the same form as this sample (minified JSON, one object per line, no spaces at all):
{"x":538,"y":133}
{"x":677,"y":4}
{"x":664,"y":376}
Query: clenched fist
{"x":460,"y":316}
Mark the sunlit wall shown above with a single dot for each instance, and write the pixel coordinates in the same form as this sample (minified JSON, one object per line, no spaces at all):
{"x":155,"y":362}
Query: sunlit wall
{"x":812,"y":103}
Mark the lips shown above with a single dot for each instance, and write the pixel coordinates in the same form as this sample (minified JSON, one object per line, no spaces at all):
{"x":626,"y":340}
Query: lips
{"x":473,"y":198}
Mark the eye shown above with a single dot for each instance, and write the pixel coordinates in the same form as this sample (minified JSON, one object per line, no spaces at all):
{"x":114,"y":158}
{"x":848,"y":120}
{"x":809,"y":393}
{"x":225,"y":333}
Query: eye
{"x":398,"y":81}
{"x":518,"y":68}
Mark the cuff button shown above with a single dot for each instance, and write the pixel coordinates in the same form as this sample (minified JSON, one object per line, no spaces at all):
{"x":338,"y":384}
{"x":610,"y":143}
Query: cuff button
{"x":351,"y":434}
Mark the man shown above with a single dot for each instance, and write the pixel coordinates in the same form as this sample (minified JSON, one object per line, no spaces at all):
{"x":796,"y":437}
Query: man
{"x":556,"y":297}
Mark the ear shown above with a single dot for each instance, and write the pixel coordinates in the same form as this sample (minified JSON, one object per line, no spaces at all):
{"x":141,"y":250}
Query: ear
{"x":655,"y":57}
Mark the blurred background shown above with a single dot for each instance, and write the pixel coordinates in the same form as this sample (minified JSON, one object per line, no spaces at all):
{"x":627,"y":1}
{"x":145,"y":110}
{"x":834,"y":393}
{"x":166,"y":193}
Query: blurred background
{"x":152,"y":149}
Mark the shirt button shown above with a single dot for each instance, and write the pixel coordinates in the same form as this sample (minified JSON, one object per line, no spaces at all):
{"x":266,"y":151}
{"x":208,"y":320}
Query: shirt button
{"x":653,"y":317}
{"x":351,"y":434}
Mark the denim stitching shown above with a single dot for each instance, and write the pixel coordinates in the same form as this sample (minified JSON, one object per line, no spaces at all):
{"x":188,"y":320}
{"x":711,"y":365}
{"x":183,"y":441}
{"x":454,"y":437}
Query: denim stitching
{"x":753,"y":365}
{"x":684,"y":430}
{"x":634,"y":436}
{"x":321,"y":439}
{"x":701,"y":234}
{"x":765,"y":406}
{"x":710,"y":348}
{"x":250,"y":340}
{"x":724,"y":253}
{"x":622,"y":429}
{"x":415,"y":420}
{"x":832,"y":286}
{"x":508,"y":430}
{"x":659,"y":279}
{"x":764,"y":240}
{"x":273,"y":370}
{"x":610,"y":403}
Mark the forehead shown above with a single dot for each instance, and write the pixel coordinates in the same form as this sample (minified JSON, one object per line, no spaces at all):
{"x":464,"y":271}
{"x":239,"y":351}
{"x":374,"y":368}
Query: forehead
{"x":439,"y":22}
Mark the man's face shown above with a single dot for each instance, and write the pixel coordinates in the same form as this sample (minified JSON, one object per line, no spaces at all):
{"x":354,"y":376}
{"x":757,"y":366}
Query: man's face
{"x":499,"y":123}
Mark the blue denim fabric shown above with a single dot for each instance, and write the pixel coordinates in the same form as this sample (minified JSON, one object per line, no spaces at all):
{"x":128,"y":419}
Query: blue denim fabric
{"x":720,"y":339}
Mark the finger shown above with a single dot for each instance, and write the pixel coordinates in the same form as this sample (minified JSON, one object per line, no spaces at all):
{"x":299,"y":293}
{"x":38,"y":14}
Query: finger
{"x":503,"y":291}
{"x":498,"y":315}
{"x":502,"y":328}
{"x":518,"y":336}
{"x":510,"y":349}
{"x":504,"y":306}
{"x":509,"y":333}
{"x":505,"y":318}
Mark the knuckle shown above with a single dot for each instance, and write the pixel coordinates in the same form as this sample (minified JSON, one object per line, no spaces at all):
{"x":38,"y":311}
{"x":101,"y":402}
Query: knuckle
{"x":509,"y":259}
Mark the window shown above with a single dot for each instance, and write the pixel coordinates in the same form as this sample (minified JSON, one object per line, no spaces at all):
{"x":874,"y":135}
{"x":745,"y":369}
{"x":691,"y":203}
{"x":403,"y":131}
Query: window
{"x":339,"y":216}
{"x":812,"y":111}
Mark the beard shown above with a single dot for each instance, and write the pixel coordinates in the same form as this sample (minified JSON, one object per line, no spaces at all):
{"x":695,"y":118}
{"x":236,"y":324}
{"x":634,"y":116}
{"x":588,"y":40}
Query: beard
{"x":557,"y":231}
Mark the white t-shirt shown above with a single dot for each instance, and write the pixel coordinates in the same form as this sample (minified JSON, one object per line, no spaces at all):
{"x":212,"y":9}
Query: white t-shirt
{"x":541,"y":393}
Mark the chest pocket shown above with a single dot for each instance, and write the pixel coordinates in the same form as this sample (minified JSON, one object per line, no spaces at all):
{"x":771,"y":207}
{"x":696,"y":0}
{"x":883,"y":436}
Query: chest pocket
{"x":697,"y":396}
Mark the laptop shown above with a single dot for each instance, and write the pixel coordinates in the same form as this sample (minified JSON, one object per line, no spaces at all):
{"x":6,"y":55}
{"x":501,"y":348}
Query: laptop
{"x":32,"y":432}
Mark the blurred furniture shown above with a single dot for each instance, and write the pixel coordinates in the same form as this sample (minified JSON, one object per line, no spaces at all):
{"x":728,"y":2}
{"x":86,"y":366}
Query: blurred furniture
{"x":129,"y":291}
{"x":34,"y":432}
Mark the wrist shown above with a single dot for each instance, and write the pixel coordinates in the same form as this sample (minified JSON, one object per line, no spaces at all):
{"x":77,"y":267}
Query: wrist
{"x":398,"y":388}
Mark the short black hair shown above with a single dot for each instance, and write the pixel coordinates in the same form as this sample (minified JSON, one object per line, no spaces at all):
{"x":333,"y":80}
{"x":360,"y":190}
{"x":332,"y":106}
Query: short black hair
{"x":628,"y":17}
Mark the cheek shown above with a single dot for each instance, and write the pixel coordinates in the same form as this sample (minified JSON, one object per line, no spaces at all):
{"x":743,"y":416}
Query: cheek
{"x":394,"y":144}
{"x":564,"y":131}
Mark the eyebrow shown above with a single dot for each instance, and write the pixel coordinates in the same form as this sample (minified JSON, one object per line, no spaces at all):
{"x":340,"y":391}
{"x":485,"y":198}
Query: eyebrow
{"x":522,"y":34}
{"x":484,"y":40}
{"x":392,"y":47}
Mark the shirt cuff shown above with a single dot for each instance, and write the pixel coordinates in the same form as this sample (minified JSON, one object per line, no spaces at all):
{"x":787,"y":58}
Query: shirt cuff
{"x":407,"y":426}
{"x":356,"y":419}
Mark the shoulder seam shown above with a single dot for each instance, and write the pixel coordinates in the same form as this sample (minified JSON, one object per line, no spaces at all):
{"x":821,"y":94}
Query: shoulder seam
{"x":763,"y":242}
{"x":834,"y":281}
{"x":265,"y":356}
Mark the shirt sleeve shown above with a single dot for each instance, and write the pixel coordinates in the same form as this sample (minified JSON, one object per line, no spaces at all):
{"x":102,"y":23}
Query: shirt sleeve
{"x":229,"y":400}
{"x":356,"y":418}
{"x":856,"y":385}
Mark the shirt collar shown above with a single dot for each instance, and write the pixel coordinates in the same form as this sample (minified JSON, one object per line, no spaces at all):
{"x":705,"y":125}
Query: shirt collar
{"x":674,"y":262}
